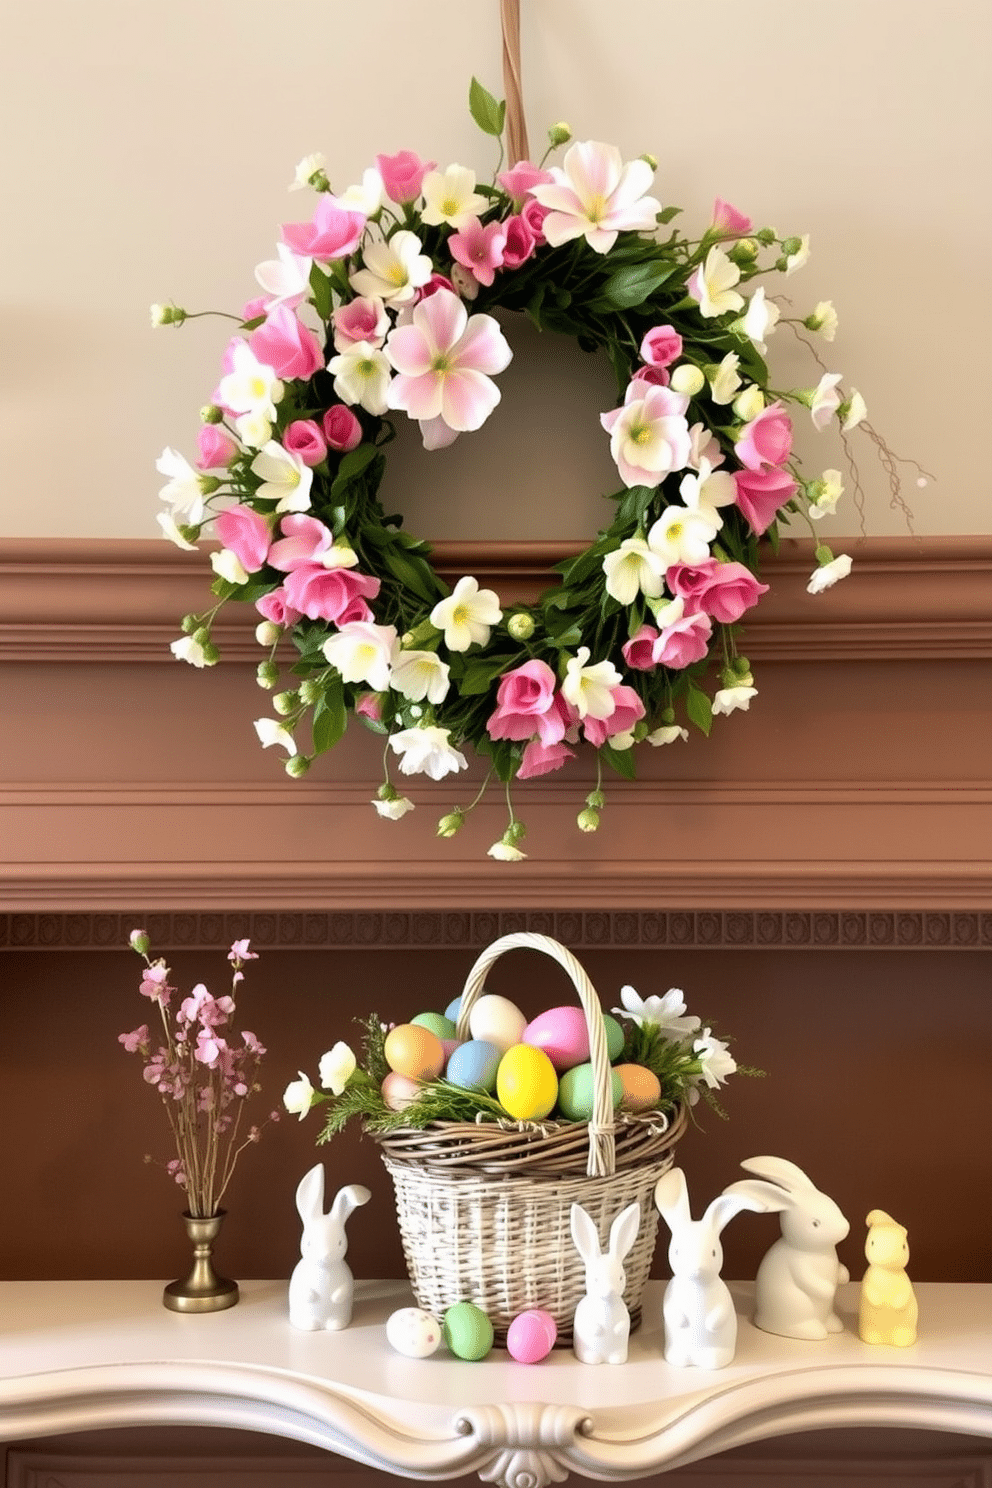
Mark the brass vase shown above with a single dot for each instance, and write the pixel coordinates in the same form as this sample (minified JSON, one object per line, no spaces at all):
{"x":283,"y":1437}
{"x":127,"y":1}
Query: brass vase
{"x":202,"y":1290}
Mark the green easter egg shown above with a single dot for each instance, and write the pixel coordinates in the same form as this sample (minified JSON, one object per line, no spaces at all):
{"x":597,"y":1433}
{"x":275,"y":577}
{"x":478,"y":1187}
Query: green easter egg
{"x":439,"y":1024}
{"x":575,"y":1092}
{"x":468,"y":1333}
{"x":614,"y":1037}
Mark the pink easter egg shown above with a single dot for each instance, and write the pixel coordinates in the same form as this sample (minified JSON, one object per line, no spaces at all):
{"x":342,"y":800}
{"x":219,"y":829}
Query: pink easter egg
{"x":531,"y":1336}
{"x":562,"y":1034}
{"x":399,"y":1091}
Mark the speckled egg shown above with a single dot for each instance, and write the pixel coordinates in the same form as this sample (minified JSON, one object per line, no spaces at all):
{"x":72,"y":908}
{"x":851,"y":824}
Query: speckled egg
{"x":473,"y":1065}
{"x":641,"y":1087}
{"x":399,"y":1091}
{"x":575,"y":1092}
{"x":413,"y":1332}
{"x":526,"y":1083}
{"x":467,"y":1331}
{"x":531,"y":1336}
{"x":497,"y":1020}
{"x":414,"y":1051}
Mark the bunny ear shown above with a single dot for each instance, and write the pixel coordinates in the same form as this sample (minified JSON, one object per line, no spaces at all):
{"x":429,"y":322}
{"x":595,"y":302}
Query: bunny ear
{"x":671,"y":1198}
{"x":747,"y":1193}
{"x":623,"y":1231}
{"x":346,"y":1200}
{"x":310,"y":1194}
{"x":780,"y":1170}
{"x":584,"y":1234}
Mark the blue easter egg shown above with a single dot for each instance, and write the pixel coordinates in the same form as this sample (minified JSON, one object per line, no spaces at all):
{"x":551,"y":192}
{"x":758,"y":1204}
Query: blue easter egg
{"x":473,"y":1065}
{"x":453,"y":1009}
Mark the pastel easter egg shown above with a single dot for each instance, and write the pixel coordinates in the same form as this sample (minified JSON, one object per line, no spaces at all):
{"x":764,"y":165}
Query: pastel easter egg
{"x":641,"y":1087}
{"x":497,"y":1020}
{"x":473,"y":1065}
{"x":437,"y":1023}
{"x":531,"y":1336}
{"x":615,"y":1037}
{"x":399,"y":1091}
{"x":562,"y":1033}
{"x":413,"y":1332}
{"x":467,"y":1331}
{"x":414,"y":1051}
{"x":575,"y":1092}
{"x":526,"y":1083}
{"x":453,"y":1009}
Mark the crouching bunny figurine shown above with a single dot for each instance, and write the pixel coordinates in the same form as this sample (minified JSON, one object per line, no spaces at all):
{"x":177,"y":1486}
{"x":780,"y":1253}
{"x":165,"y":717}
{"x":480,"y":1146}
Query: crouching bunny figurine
{"x":321,"y":1286}
{"x":798,"y":1278}
{"x":601,"y":1326}
{"x":700,"y":1320}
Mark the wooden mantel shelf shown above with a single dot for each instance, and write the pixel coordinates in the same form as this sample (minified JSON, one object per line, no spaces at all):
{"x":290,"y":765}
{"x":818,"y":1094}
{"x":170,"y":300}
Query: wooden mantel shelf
{"x":81,"y":1356}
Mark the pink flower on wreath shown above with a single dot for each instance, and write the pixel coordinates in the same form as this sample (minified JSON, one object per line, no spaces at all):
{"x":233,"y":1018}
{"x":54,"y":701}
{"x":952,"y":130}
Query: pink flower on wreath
{"x":246,"y":534}
{"x":335,"y":594}
{"x":286,"y":345}
{"x":649,"y":435}
{"x":722,"y":590}
{"x":627,"y":709}
{"x":403,"y":175}
{"x":217,"y":448}
{"x":527,"y":705}
{"x":255,"y":309}
{"x":534,"y":214}
{"x":541,"y":759}
{"x":518,"y":182}
{"x":434,"y":283}
{"x":760,"y":494}
{"x":520,"y":242}
{"x":684,"y":641}
{"x":369,"y":705}
{"x":766,"y":440}
{"x":334,"y":232}
{"x":661,"y":346}
{"x":302,"y":437}
{"x":647,"y":377}
{"x":728,"y":222}
{"x":275,"y":607}
{"x":638,"y":652}
{"x":305,"y":539}
{"x":362,"y":319}
{"x":479,"y":248}
{"x":341,"y":428}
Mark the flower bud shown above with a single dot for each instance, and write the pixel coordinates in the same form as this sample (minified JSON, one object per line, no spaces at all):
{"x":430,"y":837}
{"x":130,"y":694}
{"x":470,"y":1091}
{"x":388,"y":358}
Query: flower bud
{"x":742,"y":666}
{"x":649,"y":159}
{"x":208,"y":484}
{"x":560,"y":133}
{"x":791,"y":246}
{"x":310,"y":692}
{"x":744,"y":252}
{"x":765,"y":236}
{"x":268,"y":633}
{"x":596,"y":798}
{"x":211,"y":656}
{"x":211,"y":414}
{"x":138,"y":941}
{"x":687,"y":379}
{"x":588,"y":820}
{"x":189,"y":624}
{"x":514,"y":832}
{"x":450,"y":824}
{"x":520,"y":626}
{"x":285,"y":703}
{"x":267,"y":675}
{"x":749,"y":403}
{"x":297,"y":766}
{"x":201,"y":635}
{"x":163,"y":315}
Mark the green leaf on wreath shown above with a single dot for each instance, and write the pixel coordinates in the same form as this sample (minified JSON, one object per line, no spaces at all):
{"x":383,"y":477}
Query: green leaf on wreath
{"x":699,"y":709}
{"x":633,"y":284}
{"x":480,"y":674}
{"x":668,"y":214}
{"x":323,"y":298}
{"x":413,"y":573}
{"x":620,"y":760}
{"x":330,"y":717}
{"x":487,"y":113}
{"x":352,"y":464}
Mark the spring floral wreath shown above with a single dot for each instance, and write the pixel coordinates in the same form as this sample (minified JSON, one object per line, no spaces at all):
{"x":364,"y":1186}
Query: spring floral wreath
{"x":380,"y":305}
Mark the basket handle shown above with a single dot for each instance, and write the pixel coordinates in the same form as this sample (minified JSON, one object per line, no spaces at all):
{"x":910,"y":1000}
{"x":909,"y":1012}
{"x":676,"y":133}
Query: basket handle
{"x":602,"y":1147}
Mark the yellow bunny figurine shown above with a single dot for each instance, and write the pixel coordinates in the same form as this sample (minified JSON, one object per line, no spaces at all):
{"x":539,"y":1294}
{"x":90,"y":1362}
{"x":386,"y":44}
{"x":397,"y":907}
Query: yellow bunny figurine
{"x":888,"y":1305}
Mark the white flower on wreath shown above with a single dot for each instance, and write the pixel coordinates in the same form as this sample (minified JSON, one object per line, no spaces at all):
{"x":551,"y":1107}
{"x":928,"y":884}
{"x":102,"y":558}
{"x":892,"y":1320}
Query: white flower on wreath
{"x":667,"y":1013}
{"x":825,"y":400}
{"x":760,"y":318}
{"x":337,"y":1067}
{"x":285,"y":478}
{"x":286,"y":279}
{"x":426,"y":751}
{"x":707,"y":490}
{"x":712,"y":285}
{"x":298,"y":1096}
{"x":589,"y":689}
{"x":505,"y":852}
{"x":306,"y":170}
{"x":183,"y":490}
{"x":594,"y":195}
{"x":394,"y":271}
{"x":826,"y":493}
{"x":467,"y":615}
{"x":189,"y":650}
{"x":729,"y":700}
{"x":271,"y":731}
{"x":420,"y":675}
{"x":362,"y":375}
{"x":725,"y":380}
{"x":853,"y":411}
{"x":632,"y":569}
{"x":393,"y":809}
{"x":717,"y":1064}
{"x":251,"y":386}
{"x":365,"y":196}
{"x":829,"y":574}
{"x":667,"y":734}
{"x":683,"y":534}
{"x":450,"y":196}
{"x":363,"y":652}
{"x":800,"y":258}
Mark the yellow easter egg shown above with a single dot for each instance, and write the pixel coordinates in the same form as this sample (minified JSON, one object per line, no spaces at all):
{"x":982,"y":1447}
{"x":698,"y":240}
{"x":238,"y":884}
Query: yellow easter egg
{"x":641,"y":1088}
{"x":526,"y":1083}
{"x":414,"y":1051}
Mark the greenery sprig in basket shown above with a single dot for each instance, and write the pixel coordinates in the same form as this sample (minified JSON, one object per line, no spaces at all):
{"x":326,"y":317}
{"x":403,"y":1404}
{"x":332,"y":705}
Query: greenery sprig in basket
{"x":381,"y":305}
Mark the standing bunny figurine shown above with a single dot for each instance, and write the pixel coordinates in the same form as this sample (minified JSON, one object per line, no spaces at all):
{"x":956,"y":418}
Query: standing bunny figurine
{"x":888,"y":1310}
{"x":321,"y":1286}
{"x":602,"y":1323}
{"x":700,"y":1320}
{"x":797,"y":1280}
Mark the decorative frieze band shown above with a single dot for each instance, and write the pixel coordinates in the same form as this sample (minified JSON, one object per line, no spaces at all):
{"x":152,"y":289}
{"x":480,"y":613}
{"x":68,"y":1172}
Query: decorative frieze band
{"x":404,"y":930}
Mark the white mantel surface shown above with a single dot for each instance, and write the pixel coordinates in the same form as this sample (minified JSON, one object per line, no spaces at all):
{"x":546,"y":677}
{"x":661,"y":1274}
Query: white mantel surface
{"x":77,"y":1356}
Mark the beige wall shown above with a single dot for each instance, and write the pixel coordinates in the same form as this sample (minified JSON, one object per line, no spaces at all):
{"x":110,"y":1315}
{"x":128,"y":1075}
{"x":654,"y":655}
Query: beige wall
{"x":147,"y":145}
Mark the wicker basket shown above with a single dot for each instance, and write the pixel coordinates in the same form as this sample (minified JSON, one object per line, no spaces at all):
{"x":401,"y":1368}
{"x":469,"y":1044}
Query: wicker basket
{"x":484,"y":1209}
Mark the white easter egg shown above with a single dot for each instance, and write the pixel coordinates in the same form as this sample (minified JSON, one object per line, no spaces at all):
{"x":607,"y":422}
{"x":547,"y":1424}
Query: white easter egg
{"x":413,"y":1332}
{"x":497,"y":1020}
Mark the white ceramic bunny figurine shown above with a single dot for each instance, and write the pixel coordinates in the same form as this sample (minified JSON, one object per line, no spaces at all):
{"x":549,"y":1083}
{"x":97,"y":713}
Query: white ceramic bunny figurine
{"x":601,"y":1326}
{"x":797,"y":1280}
{"x":321,"y":1286}
{"x":700,"y":1319}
